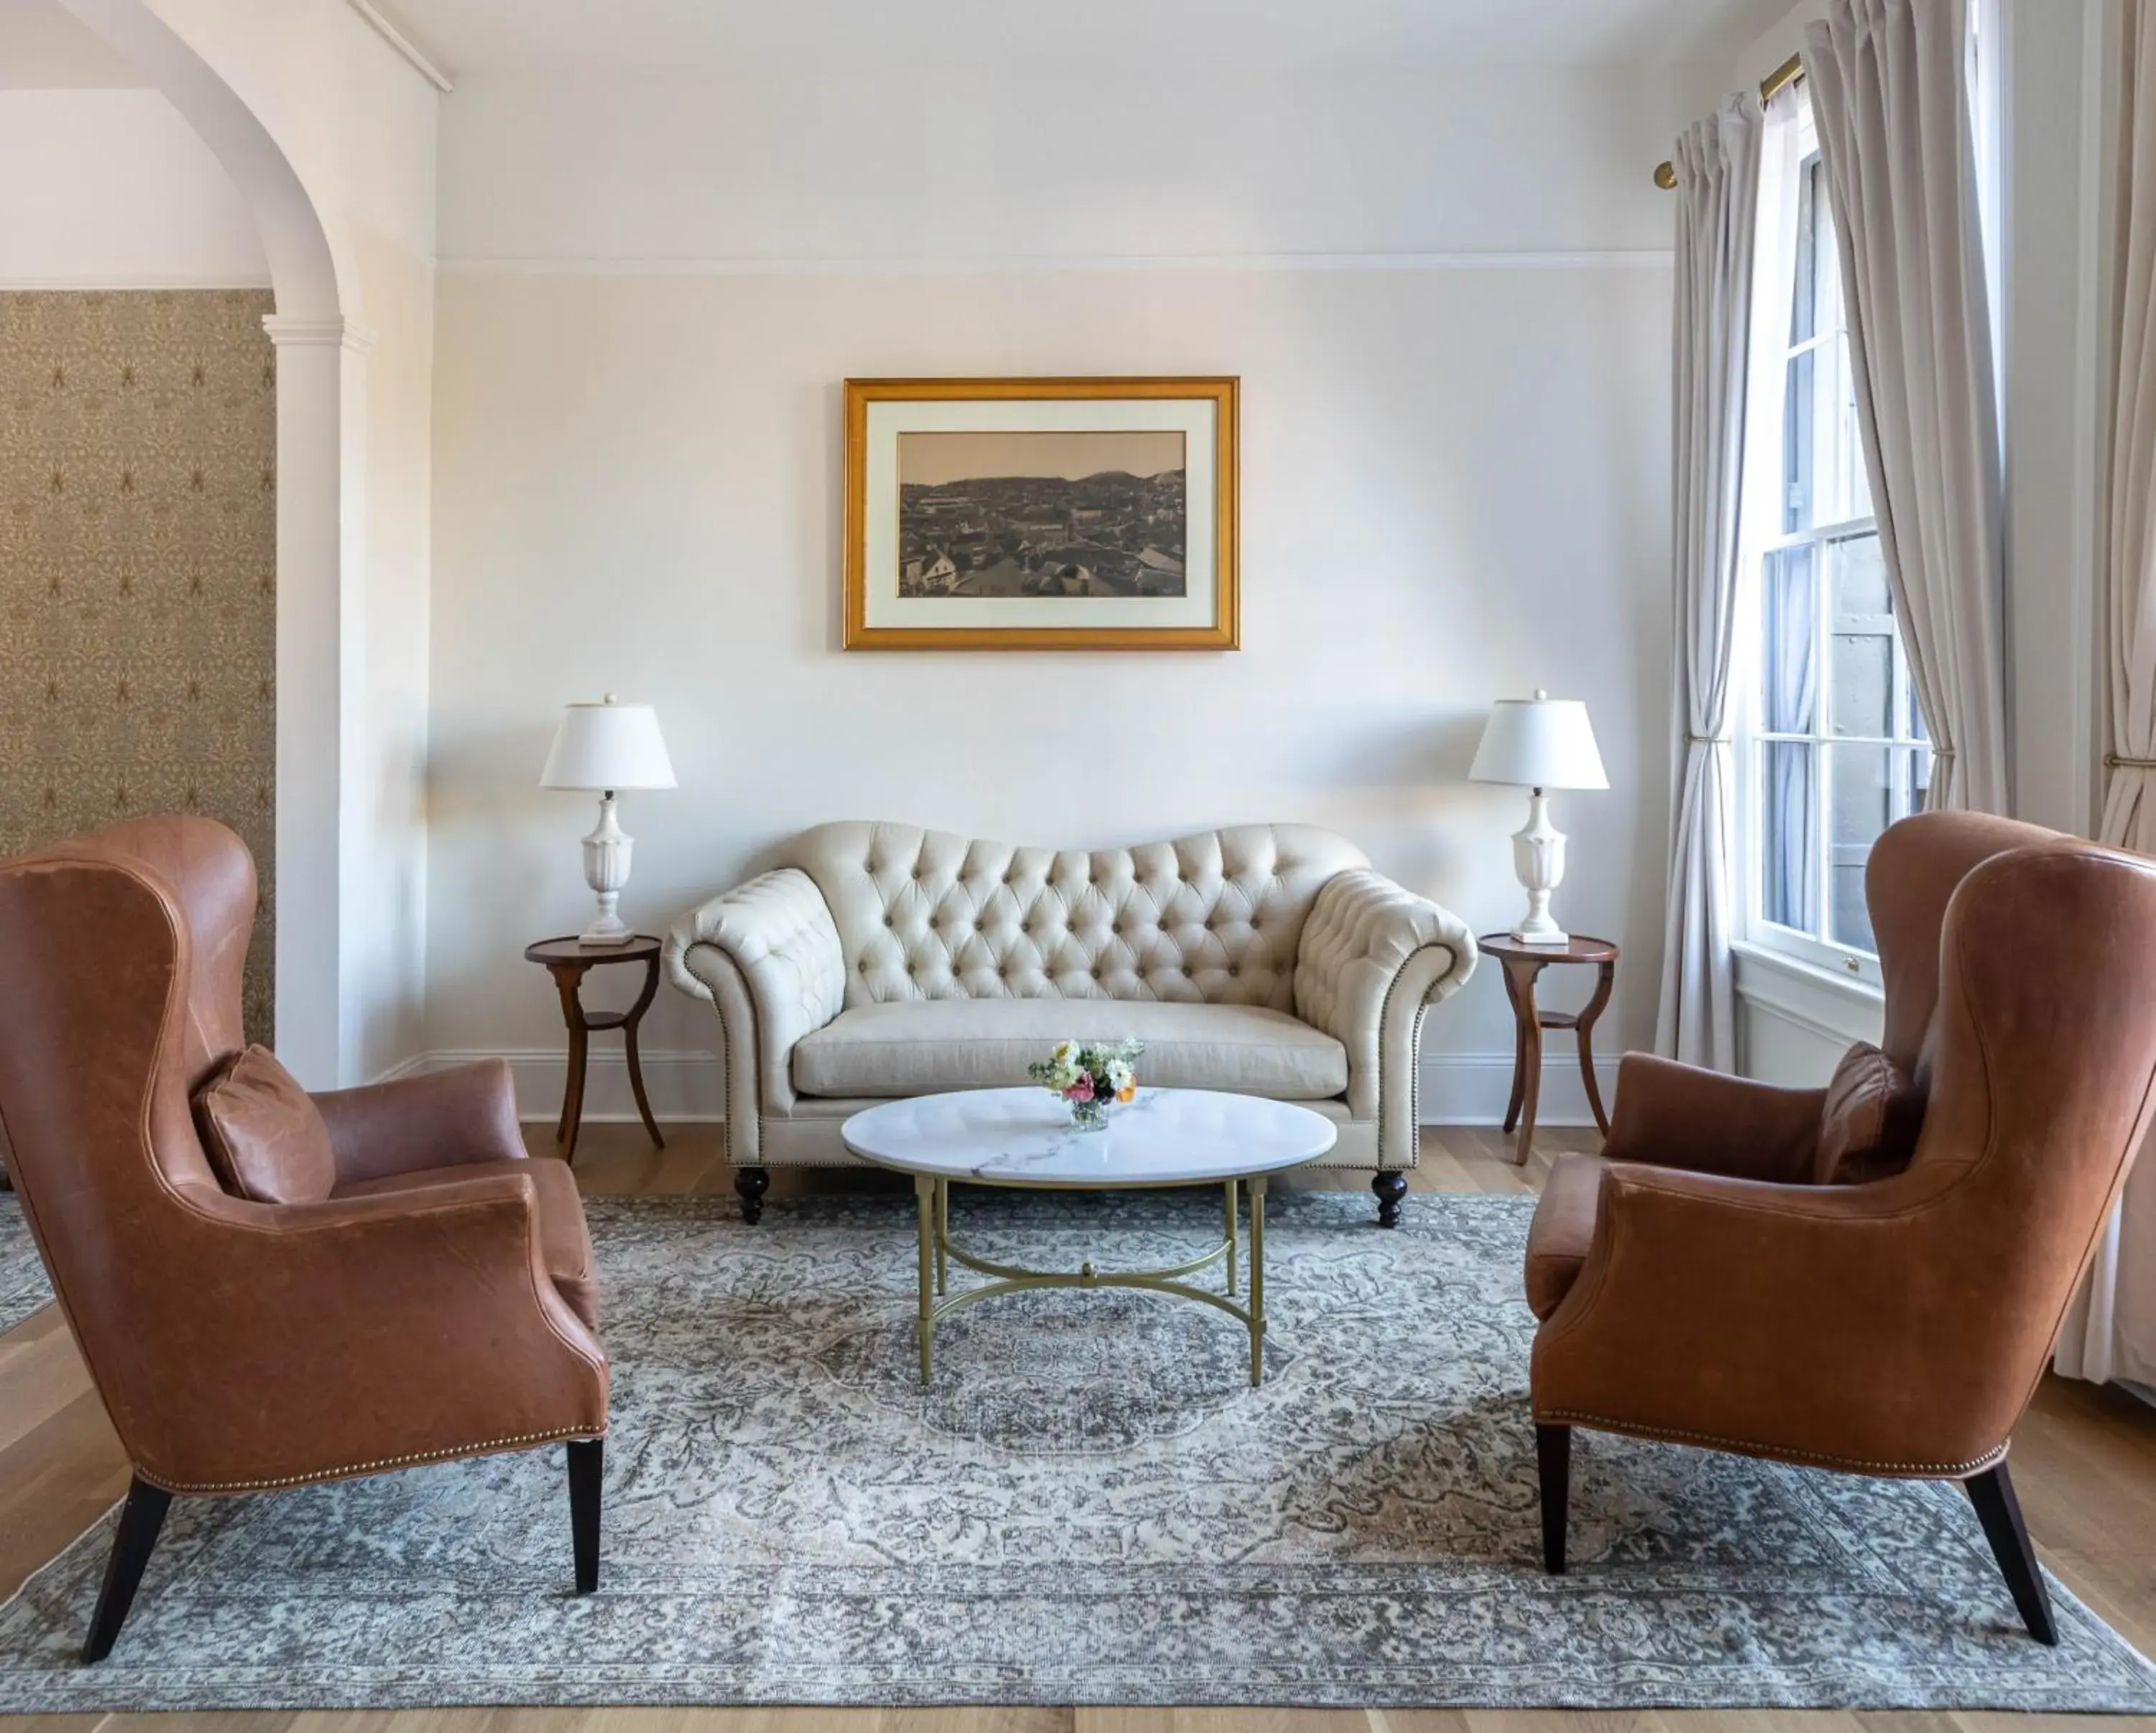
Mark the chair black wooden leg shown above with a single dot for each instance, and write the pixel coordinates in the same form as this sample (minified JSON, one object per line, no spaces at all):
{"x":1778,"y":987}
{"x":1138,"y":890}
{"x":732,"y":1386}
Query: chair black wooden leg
{"x":1391,"y":1186}
{"x":751,"y":1183}
{"x":140,"y":1519}
{"x":1553,"y":1457}
{"x":1992,"y":1493}
{"x":587,"y":1475}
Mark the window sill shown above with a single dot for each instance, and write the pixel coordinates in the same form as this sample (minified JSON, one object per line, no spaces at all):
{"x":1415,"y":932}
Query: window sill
{"x":1830,"y":1004}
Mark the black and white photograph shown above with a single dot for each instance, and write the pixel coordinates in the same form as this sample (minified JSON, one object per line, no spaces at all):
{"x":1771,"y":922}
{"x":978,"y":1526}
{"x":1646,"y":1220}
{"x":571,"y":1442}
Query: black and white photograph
{"x":1048,"y":515}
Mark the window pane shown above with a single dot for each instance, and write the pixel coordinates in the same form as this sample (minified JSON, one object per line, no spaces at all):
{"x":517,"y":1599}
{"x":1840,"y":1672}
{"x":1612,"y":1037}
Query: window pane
{"x":1869,"y":788}
{"x":1788,"y":834}
{"x":1789,"y":615}
{"x":1798,"y":443}
{"x":1859,"y":578}
{"x":1811,"y":205}
{"x":1863,"y":683}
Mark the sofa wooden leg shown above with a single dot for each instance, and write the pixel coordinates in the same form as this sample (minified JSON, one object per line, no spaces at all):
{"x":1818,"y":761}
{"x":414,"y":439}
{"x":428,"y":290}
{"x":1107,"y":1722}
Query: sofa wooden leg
{"x":586,"y":1475}
{"x":1553,"y":1458}
{"x":1391,"y":1186}
{"x":140,"y":1519}
{"x":751,"y":1183}
{"x":1992,"y":1493}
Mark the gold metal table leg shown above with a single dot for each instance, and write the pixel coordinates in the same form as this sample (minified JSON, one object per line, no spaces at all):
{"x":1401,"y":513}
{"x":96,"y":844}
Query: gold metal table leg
{"x":942,"y":1234}
{"x":1231,"y":1236}
{"x":925,"y":1188}
{"x":1257,"y":1279}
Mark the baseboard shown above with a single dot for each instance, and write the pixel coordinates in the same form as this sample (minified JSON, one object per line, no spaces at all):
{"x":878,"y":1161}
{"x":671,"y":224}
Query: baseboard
{"x":1458,"y":1089}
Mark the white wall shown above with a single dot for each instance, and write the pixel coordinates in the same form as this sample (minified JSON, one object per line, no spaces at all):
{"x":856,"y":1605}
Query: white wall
{"x":1454,"y":486}
{"x":110,"y":189}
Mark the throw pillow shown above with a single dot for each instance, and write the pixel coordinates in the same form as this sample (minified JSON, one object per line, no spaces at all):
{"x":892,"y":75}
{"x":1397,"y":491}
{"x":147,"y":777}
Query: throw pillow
{"x":1868,"y":1127}
{"x":263,"y":1134}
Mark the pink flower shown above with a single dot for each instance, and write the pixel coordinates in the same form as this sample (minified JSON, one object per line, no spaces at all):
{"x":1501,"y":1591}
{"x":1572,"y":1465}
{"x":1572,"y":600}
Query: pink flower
{"x":1082,"y":1091}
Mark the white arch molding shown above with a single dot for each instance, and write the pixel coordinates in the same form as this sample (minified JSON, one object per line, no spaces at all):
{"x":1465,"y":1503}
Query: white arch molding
{"x":322,"y":445}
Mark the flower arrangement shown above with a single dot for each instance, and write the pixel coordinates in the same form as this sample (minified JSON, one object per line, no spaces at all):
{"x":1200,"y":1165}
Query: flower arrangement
{"x":1090,"y":1077}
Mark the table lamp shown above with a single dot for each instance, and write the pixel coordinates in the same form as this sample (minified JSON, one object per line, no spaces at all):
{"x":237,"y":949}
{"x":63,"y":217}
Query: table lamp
{"x":608,"y":746}
{"x":1539,"y":743}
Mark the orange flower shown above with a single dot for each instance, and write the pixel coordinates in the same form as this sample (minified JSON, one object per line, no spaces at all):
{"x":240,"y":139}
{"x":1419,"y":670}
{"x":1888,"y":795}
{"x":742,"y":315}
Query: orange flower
{"x":1127,"y":1093}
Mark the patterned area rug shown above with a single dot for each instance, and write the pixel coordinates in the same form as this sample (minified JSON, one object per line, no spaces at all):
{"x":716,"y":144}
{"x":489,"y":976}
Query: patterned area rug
{"x":1090,"y":1504}
{"x":23,"y":1285}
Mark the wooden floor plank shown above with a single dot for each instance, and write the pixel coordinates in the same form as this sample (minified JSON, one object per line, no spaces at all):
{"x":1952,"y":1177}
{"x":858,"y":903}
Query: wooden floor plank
{"x":2084,"y":1462}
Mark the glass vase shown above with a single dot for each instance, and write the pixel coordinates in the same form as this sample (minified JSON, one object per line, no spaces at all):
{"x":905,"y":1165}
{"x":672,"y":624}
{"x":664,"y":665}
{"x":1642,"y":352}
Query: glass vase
{"x":1089,"y":1116}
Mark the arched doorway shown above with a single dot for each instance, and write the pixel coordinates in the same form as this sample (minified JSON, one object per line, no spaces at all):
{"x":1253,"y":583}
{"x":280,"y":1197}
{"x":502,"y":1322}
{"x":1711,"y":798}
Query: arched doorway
{"x":322,"y":351}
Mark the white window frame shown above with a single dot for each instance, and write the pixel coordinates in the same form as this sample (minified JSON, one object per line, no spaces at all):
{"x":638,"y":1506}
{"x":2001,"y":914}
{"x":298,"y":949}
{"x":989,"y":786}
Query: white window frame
{"x":1792,"y":141}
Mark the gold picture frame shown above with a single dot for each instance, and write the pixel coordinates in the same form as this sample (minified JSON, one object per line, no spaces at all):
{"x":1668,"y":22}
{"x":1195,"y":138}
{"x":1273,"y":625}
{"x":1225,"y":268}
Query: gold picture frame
{"x":1004,"y":539}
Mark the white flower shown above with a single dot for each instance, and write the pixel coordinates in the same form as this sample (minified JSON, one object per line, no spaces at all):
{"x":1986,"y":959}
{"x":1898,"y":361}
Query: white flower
{"x":1119,"y":1076}
{"x":1066,"y":1056}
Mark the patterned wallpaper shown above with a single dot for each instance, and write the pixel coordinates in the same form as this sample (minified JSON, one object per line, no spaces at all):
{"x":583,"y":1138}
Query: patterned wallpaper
{"x":138,"y":565}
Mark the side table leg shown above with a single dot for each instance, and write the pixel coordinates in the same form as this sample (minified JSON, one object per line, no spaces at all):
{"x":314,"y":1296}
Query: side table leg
{"x":573,"y":1103}
{"x":636,"y":1084}
{"x":924,"y":1192}
{"x":1530,"y":1070}
{"x":1605,"y":978}
{"x":1257,"y":1279}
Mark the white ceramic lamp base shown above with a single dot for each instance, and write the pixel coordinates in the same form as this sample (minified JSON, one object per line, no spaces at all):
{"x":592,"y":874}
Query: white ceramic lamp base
{"x":1538,"y":857}
{"x":606,"y":870}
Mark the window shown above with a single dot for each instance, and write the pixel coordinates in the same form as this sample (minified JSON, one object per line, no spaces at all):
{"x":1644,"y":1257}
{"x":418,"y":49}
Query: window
{"x":1832,"y":747}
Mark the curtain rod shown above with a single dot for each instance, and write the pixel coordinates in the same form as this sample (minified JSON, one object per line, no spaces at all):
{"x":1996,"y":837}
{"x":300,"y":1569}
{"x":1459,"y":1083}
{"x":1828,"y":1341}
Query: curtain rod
{"x":1771,"y":86}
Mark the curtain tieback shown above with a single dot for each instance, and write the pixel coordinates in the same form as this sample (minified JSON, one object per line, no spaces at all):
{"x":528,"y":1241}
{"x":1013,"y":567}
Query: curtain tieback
{"x":2117,"y":760}
{"x":1709,"y":740}
{"x":1942,"y":751}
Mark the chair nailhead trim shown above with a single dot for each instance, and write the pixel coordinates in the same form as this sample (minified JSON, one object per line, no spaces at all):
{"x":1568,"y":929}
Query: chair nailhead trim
{"x":380,"y":1466}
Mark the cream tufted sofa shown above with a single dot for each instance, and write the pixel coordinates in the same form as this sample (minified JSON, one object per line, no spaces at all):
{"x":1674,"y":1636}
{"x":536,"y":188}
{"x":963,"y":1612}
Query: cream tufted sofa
{"x":882,"y":961}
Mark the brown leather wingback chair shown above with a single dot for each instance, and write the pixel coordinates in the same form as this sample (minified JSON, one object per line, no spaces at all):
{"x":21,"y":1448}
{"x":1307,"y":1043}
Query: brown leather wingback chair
{"x":438,"y":1303}
{"x":1696,"y":1283}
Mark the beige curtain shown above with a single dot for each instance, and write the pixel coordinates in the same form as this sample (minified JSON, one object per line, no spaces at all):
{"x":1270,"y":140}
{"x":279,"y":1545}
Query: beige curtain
{"x":2111,"y":1332}
{"x":1718,"y":164}
{"x":1889,"y":82}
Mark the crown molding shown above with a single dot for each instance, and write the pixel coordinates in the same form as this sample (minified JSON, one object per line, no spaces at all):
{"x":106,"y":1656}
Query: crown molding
{"x":130,"y":282}
{"x":618,"y":265}
{"x":412,"y":53}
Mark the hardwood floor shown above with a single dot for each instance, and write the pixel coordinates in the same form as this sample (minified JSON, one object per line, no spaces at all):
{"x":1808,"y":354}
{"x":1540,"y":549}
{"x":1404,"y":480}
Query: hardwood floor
{"x":2084,"y":1462}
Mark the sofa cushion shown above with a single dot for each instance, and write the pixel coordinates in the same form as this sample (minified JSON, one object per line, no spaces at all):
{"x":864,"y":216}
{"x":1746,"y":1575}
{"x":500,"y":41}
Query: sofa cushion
{"x":917,"y":1048}
{"x":565,"y":1242}
{"x":1562,"y":1229}
{"x":263,"y":1133}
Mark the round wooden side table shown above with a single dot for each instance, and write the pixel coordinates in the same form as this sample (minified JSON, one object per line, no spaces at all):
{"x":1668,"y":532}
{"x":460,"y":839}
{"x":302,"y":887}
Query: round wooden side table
{"x":1522,"y":965}
{"x":568,"y":961}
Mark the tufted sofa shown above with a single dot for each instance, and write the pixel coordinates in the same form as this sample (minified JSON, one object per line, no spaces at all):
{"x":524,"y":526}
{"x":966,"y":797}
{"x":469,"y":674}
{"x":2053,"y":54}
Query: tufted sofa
{"x":880,"y":960}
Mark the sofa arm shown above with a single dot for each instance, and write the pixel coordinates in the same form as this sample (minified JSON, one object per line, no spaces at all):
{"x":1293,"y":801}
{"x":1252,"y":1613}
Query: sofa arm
{"x":443,"y":1119}
{"x":1374,"y":956}
{"x":766,"y":955}
{"x":346,"y":1337}
{"x":1673,"y":1116}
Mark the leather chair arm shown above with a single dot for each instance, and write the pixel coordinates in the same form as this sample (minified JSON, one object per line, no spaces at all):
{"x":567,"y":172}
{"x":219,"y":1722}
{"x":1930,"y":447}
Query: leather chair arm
{"x":1672,"y":1115}
{"x":1372,"y":957}
{"x":361,"y":1333}
{"x":1801,"y":1322}
{"x":444,"y":1119}
{"x":766,"y":957}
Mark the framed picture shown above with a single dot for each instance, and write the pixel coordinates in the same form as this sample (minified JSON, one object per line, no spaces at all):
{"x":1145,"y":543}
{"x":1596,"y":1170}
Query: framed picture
{"x":1040,"y":515}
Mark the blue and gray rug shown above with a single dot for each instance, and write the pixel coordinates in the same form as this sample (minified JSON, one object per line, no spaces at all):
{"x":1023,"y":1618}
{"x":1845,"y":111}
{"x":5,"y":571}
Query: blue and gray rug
{"x":23,"y":1285}
{"x":1090,"y":1504}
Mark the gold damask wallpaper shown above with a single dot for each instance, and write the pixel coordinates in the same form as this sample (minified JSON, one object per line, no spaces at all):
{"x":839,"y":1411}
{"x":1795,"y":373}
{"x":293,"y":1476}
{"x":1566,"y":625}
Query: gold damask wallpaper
{"x":138,"y":571}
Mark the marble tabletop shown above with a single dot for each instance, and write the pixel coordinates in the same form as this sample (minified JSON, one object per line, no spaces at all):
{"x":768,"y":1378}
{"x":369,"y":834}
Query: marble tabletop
{"x":1025,"y":1137}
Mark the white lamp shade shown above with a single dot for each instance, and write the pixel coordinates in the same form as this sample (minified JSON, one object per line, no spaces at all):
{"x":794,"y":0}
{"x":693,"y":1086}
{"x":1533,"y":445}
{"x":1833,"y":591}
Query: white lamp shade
{"x":1539,"y":742}
{"x":609,"y":745}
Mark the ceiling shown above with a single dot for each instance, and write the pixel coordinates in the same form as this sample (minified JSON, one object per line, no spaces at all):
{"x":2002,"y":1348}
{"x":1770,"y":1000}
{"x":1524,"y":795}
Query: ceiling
{"x":692,"y":36}
{"x":42,"y":46}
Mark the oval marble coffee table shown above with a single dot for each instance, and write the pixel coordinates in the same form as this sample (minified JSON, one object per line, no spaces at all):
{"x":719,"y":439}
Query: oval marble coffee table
{"x":1023,"y":1138}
